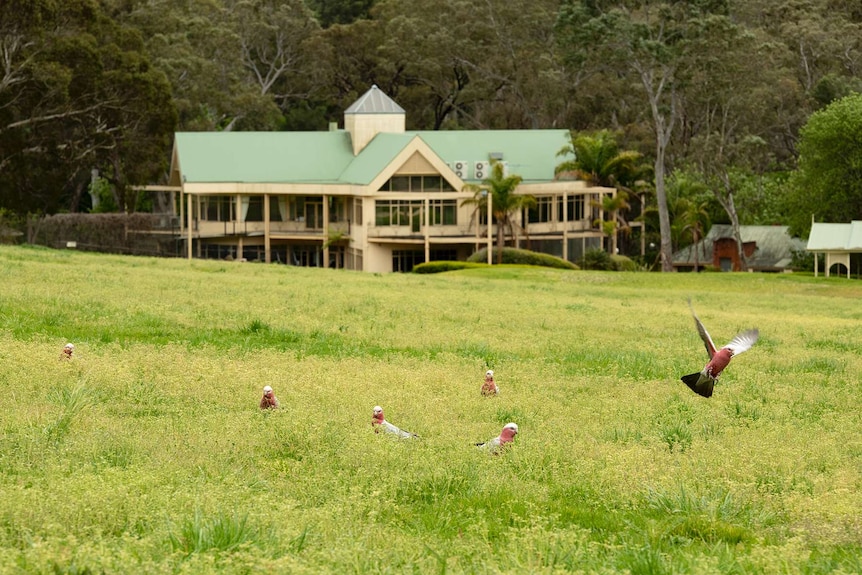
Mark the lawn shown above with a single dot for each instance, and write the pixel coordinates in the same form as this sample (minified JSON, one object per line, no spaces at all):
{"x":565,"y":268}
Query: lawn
{"x":147,"y":452}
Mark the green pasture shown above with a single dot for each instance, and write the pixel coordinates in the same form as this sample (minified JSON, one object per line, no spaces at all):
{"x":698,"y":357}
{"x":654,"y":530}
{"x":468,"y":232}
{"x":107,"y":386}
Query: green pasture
{"x":147,"y":452}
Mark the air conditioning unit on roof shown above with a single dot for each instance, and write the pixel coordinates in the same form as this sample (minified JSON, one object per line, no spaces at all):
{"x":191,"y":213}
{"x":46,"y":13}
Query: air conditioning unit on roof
{"x":460,"y":168}
{"x":482,"y":169}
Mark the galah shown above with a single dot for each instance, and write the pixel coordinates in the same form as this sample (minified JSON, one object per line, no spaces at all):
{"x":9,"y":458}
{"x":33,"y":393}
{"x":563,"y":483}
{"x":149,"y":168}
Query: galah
{"x":489,"y":386}
{"x":379,"y":423}
{"x":268,"y":401}
{"x":496,"y":445}
{"x":67,"y":351}
{"x":702,"y":382}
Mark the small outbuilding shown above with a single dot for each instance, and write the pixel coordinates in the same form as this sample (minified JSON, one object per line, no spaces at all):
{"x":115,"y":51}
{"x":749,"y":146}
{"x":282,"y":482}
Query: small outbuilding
{"x":836,"y":242}
{"x":766,"y":249}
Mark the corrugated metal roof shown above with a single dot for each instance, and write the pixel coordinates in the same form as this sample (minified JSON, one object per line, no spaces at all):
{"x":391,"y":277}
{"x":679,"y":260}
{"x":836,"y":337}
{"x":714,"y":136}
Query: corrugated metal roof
{"x":259,"y":157}
{"x":825,"y":237}
{"x":774,"y":246}
{"x":327,"y":157}
{"x":374,"y":101}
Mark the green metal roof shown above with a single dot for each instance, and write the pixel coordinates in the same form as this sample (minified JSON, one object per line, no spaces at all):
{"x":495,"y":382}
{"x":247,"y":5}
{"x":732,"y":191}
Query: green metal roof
{"x":327,"y":157}
{"x":259,"y":157}
{"x":835,"y":237}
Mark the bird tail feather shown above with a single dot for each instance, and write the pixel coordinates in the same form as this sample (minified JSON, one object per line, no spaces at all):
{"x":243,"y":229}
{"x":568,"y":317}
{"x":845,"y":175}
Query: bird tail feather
{"x":700,"y":383}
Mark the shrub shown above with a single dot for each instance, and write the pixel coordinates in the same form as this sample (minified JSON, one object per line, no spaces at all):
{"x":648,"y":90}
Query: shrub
{"x":597,"y":259}
{"x":443,"y":266}
{"x":624,"y":264}
{"x":523,"y":257}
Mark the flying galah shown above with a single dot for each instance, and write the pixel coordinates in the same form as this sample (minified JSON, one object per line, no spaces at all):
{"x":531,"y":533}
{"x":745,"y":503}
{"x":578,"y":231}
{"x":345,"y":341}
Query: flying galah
{"x":496,"y":445}
{"x":489,"y":386}
{"x":380,"y":424}
{"x":703,"y":381}
{"x":268,"y":401}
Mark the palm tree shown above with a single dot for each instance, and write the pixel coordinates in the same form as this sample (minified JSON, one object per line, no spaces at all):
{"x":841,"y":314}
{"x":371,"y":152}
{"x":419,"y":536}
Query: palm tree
{"x":599,"y":162}
{"x":504,"y":201}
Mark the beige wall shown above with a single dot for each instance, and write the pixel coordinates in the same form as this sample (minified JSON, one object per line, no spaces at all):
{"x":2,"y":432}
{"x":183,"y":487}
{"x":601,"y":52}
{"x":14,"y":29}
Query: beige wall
{"x":363,"y":127}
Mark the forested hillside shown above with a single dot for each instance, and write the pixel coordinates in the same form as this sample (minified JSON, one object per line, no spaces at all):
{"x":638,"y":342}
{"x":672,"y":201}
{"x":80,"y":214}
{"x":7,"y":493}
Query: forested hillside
{"x":713,"y":93}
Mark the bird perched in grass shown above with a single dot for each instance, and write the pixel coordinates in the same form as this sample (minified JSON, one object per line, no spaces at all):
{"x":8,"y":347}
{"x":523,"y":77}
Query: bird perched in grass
{"x":67,"y":351}
{"x":268,"y":401}
{"x":379,"y":423}
{"x":489,"y":386}
{"x":507,"y":435}
{"x":702,"y":382}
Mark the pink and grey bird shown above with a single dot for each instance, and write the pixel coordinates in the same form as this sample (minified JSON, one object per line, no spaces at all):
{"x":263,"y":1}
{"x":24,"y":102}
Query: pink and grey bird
{"x":68,"y":349}
{"x":268,"y":401}
{"x":496,"y":445}
{"x":379,"y":423}
{"x":489,"y":386}
{"x":702,"y":382}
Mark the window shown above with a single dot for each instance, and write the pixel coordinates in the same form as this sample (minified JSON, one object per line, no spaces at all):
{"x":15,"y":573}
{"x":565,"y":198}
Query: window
{"x":542,"y":211}
{"x":357,"y":211}
{"x":574,"y":208}
{"x":444,"y":212}
{"x":218,"y":208}
{"x":429,"y":183}
{"x":336,"y":208}
{"x":396,"y":212}
{"x":255,"y":209}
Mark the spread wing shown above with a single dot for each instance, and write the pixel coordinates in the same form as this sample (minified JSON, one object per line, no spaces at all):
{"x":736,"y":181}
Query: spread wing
{"x":704,"y":335}
{"x":743,"y":341}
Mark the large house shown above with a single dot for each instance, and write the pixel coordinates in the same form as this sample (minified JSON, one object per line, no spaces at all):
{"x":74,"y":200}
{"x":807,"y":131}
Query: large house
{"x":371,"y":196}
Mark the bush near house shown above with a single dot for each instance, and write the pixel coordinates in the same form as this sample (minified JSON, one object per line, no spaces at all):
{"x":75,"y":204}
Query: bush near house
{"x":523,"y":257}
{"x":444,"y":266}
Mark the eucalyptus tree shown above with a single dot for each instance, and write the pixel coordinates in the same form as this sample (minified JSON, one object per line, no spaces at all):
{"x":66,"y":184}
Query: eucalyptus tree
{"x":651,"y":41}
{"x":79,"y":93}
{"x":500,"y":188}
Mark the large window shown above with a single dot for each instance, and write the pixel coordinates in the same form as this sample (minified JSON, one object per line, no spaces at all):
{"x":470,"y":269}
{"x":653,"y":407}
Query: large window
{"x":543,"y":210}
{"x":218,"y":208}
{"x":429,"y":183}
{"x":397,"y":212}
{"x":406,"y":260}
{"x":444,"y":212}
{"x":574,"y":208}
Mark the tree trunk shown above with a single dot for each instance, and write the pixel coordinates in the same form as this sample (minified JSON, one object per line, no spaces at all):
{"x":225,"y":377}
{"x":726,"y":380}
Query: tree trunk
{"x":726,"y":202}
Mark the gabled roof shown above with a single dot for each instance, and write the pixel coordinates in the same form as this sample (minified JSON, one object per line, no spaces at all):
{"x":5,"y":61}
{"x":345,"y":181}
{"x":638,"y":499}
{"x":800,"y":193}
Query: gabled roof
{"x":374,"y":101}
{"x":774,"y":246}
{"x":825,"y":237}
{"x":327,"y":157}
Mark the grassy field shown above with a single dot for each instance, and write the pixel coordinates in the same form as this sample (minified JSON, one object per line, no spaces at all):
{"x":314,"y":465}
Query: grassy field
{"x":147,"y":452}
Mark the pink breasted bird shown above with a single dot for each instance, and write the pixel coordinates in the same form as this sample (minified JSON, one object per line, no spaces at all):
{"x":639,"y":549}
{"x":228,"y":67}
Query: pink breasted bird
{"x":268,"y":401}
{"x":507,"y":435}
{"x":702,"y":382}
{"x":489,"y":386}
{"x":68,"y":349}
{"x":379,"y":423}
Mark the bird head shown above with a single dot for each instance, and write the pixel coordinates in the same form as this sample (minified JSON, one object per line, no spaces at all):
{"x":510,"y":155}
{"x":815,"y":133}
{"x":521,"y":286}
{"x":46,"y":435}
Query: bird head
{"x":510,"y":430}
{"x":267,"y":390}
{"x":377,"y":413}
{"x":489,"y":374}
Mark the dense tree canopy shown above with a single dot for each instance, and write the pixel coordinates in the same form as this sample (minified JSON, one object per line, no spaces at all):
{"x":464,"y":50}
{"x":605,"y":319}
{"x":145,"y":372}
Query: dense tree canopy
{"x":719,"y":89}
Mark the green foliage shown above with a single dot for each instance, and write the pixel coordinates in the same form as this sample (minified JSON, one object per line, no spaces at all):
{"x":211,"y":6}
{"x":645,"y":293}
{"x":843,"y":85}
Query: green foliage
{"x":521,"y":257}
{"x":597,"y":259}
{"x":828,"y":183}
{"x":223,"y":532}
{"x":443,"y":266}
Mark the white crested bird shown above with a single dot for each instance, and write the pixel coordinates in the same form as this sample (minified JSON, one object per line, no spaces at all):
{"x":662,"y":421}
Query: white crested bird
{"x":703,"y":381}
{"x":497,"y":444}
{"x":379,"y":423}
{"x":489,"y":386}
